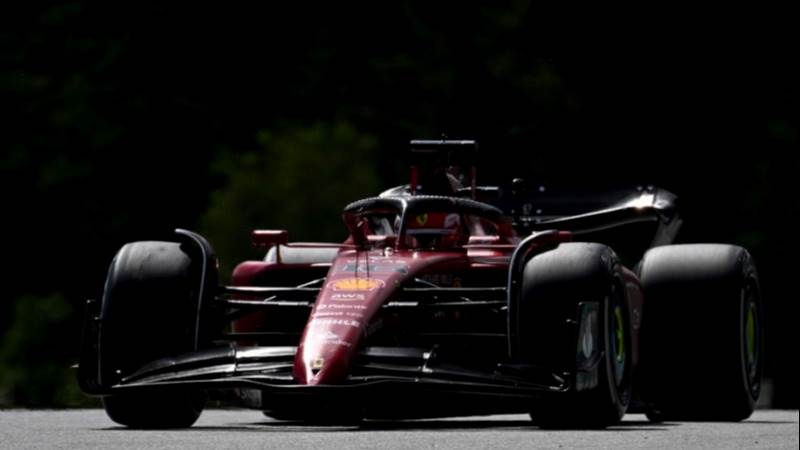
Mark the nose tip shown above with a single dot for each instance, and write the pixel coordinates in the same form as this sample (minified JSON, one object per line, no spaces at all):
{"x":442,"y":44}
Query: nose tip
{"x":309,"y":371}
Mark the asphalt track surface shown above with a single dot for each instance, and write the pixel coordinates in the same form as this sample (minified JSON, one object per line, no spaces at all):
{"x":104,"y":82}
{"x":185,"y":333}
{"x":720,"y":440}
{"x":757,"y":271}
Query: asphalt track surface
{"x":249,"y":429}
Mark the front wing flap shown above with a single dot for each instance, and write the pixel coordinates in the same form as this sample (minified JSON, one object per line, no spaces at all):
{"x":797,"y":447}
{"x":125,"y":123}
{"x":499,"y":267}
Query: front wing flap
{"x":269,"y":369}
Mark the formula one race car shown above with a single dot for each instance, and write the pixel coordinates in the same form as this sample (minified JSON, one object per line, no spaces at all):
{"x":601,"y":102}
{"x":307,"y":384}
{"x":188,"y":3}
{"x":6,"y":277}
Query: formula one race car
{"x":444,"y":300}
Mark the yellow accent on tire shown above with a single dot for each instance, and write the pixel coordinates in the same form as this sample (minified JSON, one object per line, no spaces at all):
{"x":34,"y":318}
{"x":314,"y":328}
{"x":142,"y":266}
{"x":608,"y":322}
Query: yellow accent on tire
{"x":620,"y":334}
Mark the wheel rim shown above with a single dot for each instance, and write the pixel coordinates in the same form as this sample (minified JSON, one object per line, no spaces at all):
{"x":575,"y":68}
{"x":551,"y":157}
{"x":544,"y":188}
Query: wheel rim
{"x":751,"y":340}
{"x":617,"y":340}
{"x":618,"y":344}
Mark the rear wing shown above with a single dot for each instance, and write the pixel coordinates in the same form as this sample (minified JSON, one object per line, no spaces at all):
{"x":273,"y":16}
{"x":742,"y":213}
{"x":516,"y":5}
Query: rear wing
{"x":587,"y":214}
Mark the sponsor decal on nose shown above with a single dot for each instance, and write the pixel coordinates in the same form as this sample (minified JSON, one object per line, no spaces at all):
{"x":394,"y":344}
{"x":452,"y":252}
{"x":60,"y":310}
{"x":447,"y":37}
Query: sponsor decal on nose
{"x":375,"y":268}
{"x":357,"y":284}
{"x":343,"y":322}
{"x":348,"y":296}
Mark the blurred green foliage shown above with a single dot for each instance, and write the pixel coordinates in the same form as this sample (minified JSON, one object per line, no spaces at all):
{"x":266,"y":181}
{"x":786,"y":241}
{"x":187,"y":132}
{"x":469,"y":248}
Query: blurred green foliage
{"x":297,"y":178}
{"x":33,"y":369}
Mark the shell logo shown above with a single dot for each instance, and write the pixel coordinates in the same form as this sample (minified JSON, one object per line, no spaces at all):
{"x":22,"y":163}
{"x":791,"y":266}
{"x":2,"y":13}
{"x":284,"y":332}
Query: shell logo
{"x":356,"y":284}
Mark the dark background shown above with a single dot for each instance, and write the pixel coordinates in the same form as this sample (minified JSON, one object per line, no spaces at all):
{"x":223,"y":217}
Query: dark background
{"x":120,"y":123}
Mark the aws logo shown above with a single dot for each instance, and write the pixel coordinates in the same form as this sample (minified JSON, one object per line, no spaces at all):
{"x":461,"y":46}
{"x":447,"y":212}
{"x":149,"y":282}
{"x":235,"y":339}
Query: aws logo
{"x":348,"y":296}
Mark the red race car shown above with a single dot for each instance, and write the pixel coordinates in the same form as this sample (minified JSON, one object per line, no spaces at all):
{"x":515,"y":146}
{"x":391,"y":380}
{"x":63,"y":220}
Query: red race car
{"x":446,"y":299}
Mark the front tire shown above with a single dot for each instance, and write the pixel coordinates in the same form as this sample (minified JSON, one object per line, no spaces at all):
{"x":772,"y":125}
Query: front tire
{"x":148,"y":312}
{"x":155,"y":410}
{"x":557,"y":287}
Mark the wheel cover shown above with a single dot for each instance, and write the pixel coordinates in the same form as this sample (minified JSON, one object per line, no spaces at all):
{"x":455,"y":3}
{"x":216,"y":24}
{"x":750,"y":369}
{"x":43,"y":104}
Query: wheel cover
{"x":618,"y":343}
{"x":751,"y":344}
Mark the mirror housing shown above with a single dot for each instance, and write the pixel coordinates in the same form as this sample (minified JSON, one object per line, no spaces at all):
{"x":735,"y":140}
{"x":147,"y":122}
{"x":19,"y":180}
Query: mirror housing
{"x":269,"y":238}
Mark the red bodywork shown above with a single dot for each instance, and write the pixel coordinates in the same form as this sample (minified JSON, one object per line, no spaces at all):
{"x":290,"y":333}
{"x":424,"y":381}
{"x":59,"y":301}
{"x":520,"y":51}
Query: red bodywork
{"x":360,"y":282}
{"x":388,"y":250}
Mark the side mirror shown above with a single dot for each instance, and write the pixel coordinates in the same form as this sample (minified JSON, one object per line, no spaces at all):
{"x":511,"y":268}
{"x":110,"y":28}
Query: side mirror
{"x":381,"y":240}
{"x":269,"y":238}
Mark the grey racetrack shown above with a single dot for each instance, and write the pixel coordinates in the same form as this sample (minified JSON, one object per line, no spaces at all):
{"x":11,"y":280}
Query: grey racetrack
{"x":249,"y":429}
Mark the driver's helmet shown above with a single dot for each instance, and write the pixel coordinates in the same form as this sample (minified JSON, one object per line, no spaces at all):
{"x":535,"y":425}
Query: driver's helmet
{"x":434,"y":230}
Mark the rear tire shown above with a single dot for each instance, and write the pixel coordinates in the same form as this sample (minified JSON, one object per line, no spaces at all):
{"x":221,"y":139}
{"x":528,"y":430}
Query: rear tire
{"x":701,"y":333}
{"x":554,"y":285}
{"x":148,"y":312}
